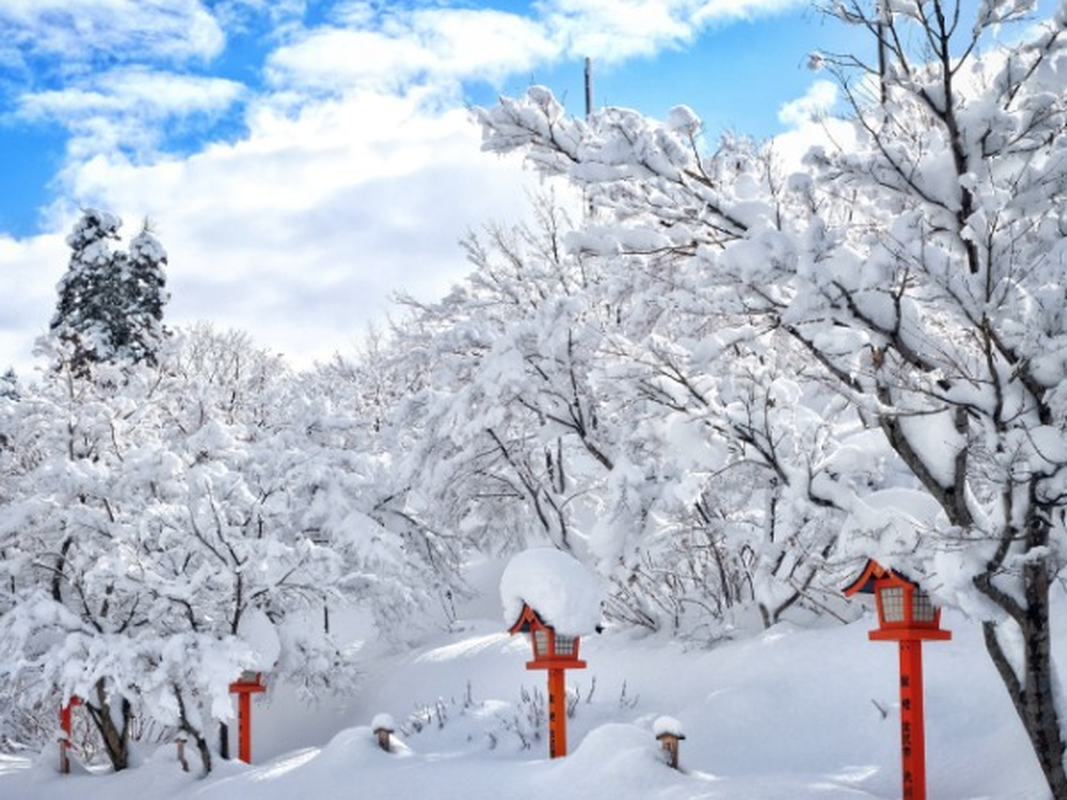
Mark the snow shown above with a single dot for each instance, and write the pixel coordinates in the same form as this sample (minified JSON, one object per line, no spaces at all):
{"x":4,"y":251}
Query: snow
{"x":588,"y":356}
{"x":684,"y":120}
{"x":786,"y":713}
{"x":564,"y":594}
{"x":667,"y":726}
{"x":261,"y":635}
{"x":383,"y":722}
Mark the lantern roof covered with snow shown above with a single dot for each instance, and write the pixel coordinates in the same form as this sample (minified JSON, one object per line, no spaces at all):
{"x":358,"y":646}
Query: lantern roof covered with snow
{"x":550,"y":595}
{"x":564,"y":594}
{"x":905,"y":609}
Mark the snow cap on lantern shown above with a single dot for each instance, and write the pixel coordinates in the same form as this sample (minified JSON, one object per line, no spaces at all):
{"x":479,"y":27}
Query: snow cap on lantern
{"x":563,"y":593}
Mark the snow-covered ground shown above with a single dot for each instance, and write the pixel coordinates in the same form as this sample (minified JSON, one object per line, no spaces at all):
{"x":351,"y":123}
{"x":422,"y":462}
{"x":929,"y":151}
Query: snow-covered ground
{"x":786,"y":714}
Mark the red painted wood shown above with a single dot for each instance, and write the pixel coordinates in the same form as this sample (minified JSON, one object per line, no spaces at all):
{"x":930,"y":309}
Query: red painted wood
{"x":912,"y":733}
{"x":557,"y":714}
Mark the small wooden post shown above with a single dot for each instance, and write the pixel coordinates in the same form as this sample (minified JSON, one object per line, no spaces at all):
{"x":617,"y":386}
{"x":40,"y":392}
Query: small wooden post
{"x":668,"y":733}
{"x":383,"y":727}
{"x":180,"y":742}
{"x":669,"y":742}
{"x":383,"y":735}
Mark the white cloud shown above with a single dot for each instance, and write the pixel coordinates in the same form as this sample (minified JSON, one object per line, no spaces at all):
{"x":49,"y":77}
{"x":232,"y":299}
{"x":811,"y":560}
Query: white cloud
{"x":714,"y":11}
{"x":133,"y":90}
{"x":29,"y":297}
{"x":76,"y":30}
{"x":615,"y":30}
{"x":429,"y":47}
{"x":356,"y":175}
{"x":300,"y":233}
{"x":811,"y":125}
{"x":816,"y":102}
{"x":128,"y":109}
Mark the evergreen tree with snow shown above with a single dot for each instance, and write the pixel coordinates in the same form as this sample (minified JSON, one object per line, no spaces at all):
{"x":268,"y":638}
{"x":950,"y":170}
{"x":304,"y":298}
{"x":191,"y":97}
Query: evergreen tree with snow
{"x":110,"y":306}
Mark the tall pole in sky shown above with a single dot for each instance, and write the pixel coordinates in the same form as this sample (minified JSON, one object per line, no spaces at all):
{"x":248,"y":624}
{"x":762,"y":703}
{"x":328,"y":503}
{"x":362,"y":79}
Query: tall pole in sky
{"x":883,"y":19}
{"x":588,"y":117}
{"x":588,"y":87}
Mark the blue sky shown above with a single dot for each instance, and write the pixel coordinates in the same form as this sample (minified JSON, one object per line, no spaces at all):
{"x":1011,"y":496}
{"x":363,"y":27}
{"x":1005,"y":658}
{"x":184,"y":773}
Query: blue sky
{"x":735,"y":70}
{"x":301,"y":160}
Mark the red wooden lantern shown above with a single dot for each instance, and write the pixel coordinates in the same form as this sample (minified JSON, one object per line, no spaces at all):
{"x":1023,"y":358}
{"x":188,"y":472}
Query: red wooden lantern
{"x":905,"y":611}
{"x":248,"y":684}
{"x":551,"y":650}
{"x":554,"y":652}
{"x":905,"y":615}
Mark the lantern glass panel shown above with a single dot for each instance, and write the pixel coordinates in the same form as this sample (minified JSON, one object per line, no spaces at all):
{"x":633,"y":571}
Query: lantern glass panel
{"x":892,"y":598}
{"x":922,"y":607}
{"x":565,"y":645}
{"x":540,"y":642}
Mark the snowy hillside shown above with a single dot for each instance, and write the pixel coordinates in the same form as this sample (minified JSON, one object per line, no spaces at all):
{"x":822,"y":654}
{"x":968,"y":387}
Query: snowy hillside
{"x":786,"y":714}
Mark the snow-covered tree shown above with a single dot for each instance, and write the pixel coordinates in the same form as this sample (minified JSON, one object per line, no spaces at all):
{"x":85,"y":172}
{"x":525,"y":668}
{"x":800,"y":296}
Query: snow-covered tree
{"x":110,"y":305}
{"x":78,"y":467}
{"x":919,"y":265}
{"x":507,"y":428}
{"x":556,"y":390}
{"x":166,"y":528}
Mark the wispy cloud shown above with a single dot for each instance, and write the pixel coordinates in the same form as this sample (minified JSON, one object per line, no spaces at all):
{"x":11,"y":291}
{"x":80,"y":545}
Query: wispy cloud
{"x":72,"y":34}
{"x":818,"y":101}
{"x":153,"y":94}
{"x":134,"y":102}
{"x":616,"y":30}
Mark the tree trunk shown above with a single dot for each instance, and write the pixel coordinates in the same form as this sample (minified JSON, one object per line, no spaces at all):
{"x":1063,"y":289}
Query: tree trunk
{"x":205,"y":752}
{"x":1033,"y":694}
{"x":187,"y":727}
{"x":116,"y":738}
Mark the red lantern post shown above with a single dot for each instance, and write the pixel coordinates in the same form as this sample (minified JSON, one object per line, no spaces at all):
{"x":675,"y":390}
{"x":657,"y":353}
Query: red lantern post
{"x":907,"y":616}
{"x":555,"y":653}
{"x":66,"y":725}
{"x":249,"y":683}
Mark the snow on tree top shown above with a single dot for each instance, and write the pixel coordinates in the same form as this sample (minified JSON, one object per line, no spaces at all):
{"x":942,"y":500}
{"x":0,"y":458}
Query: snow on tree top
{"x":146,"y":247}
{"x":683,"y":120}
{"x":93,"y":226}
{"x":564,"y":594}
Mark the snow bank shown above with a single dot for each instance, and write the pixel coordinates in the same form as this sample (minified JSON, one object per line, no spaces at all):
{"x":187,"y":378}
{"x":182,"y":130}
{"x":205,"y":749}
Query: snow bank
{"x":555,"y":585}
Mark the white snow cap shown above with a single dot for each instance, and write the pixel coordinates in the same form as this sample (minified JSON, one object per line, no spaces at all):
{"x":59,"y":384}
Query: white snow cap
{"x":667,"y":726}
{"x":382,"y":722}
{"x":564,"y":594}
{"x":683,"y":119}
